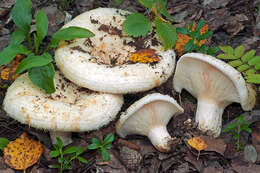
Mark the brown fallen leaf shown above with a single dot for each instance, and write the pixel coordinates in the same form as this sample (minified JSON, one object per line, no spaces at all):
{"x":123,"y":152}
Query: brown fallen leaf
{"x":217,"y":145}
{"x":198,"y":144}
{"x":22,"y":153}
{"x":245,"y":167}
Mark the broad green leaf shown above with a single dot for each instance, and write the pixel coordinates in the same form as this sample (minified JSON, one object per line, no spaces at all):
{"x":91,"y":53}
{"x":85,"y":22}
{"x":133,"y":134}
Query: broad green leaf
{"x":105,"y":155}
{"x":54,"y":153}
{"x":189,"y":46}
{"x":146,"y":3}
{"x":79,"y":151}
{"x":136,"y":25}
{"x":109,"y":138}
{"x":21,"y":15}
{"x":227,"y":50}
{"x":212,"y":50}
{"x":226,"y":56}
{"x":82,"y":160}
{"x":17,"y":37}
{"x":59,"y":143}
{"x":108,"y":146}
{"x":166,"y":32}
{"x":182,"y":30}
{"x":3,"y":143}
{"x":36,"y":42}
{"x":243,"y":67}
{"x":70,"y":150}
{"x":96,"y":141}
{"x":199,"y":25}
{"x":8,"y":53}
{"x":250,"y":71}
{"x":33,"y":61}
{"x":253,"y":78}
{"x":248,"y":56}
{"x":41,"y":25}
{"x":257,"y":66}
{"x":43,"y":77}
{"x":235,"y":63}
{"x":206,"y":35}
{"x":93,"y":146}
{"x":204,"y":48}
{"x":70,"y":33}
{"x":255,"y":60}
{"x":161,"y":8}
{"x":239,"y":51}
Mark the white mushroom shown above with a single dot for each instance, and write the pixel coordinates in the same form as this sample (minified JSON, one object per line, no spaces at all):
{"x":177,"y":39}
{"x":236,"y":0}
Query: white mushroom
{"x":69,"y":109}
{"x":101,"y":63}
{"x":149,"y":117}
{"x":215,"y":84}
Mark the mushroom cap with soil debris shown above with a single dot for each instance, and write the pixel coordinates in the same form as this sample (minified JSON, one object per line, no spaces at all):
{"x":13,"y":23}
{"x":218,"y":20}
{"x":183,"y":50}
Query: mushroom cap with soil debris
{"x":149,"y":117}
{"x":215,"y":84}
{"x":69,"y":109}
{"x":101,"y":63}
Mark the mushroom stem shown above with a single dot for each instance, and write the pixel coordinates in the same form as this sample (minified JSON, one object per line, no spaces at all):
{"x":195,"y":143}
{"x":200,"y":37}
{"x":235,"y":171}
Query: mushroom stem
{"x":64,"y":136}
{"x":160,"y":138}
{"x":209,"y":117}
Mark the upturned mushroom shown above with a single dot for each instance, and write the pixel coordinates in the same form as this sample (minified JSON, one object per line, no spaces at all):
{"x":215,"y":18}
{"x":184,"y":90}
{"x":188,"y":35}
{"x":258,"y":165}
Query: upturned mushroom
{"x":215,"y":84}
{"x":149,"y":117}
{"x":101,"y":63}
{"x":69,"y":109}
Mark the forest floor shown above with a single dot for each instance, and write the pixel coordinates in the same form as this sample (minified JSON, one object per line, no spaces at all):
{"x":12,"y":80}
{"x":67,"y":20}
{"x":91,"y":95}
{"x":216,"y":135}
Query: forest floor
{"x":233,"y":22}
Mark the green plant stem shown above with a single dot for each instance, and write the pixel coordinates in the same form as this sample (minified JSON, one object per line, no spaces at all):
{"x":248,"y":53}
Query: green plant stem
{"x":29,"y":41}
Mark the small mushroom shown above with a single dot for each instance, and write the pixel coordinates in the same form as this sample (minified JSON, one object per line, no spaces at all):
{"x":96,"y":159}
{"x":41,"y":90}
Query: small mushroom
{"x":101,"y":63}
{"x":215,"y":84}
{"x":69,"y":109}
{"x":149,"y":117}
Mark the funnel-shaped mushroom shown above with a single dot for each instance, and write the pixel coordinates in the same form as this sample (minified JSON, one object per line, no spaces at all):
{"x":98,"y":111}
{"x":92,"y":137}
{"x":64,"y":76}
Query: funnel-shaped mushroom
{"x":101,"y":63}
{"x":215,"y":84}
{"x":69,"y":109}
{"x":149,"y":117}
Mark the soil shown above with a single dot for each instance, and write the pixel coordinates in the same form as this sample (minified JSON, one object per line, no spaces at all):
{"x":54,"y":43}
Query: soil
{"x":233,"y":22}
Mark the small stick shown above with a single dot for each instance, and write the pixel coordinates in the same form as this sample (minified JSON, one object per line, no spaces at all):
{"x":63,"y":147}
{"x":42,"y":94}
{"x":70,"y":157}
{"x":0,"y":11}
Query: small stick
{"x":128,"y":144}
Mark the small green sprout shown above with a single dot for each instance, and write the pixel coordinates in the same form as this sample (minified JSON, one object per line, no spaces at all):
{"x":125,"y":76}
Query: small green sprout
{"x":66,"y":156}
{"x":3,"y":143}
{"x":236,"y":128}
{"x":102,"y":147}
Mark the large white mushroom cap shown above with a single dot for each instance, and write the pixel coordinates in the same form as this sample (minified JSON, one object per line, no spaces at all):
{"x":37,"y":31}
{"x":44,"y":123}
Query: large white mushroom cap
{"x":149,"y":116}
{"x":215,"y":84}
{"x":69,"y":109}
{"x":101,"y":63}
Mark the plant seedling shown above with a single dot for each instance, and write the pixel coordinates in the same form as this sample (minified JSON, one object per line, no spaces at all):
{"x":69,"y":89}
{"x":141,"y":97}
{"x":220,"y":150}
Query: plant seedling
{"x":36,"y":59}
{"x":245,"y":62}
{"x":102,"y":147}
{"x":3,"y":143}
{"x":196,"y":43}
{"x":66,"y":156}
{"x":137,"y":24}
{"x":236,"y":128}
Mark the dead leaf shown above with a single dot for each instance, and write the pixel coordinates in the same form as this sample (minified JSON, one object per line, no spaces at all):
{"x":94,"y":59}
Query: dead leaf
{"x":245,"y":167}
{"x":22,"y":153}
{"x":7,"y":73}
{"x":197,"y":143}
{"x":217,"y":145}
{"x":144,"y":56}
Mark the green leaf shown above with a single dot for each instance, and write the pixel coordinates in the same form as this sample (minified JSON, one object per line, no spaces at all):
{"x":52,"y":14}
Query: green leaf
{"x":212,"y":50}
{"x":183,"y":30}
{"x":230,"y":127}
{"x":55,"y":166}
{"x":257,"y":66}
{"x":41,"y":25}
{"x":79,"y":151}
{"x":96,"y":141}
{"x":240,"y":119}
{"x":226,"y":56}
{"x":243,"y":67}
{"x":8,"y":53}
{"x":108,"y":146}
{"x":33,"y":61}
{"x":82,"y":160}
{"x":235,"y":63}
{"x":239,"y":51}
{"x":253,"y":78}
{"x":146,"y":3}
{"x":3,"y":143}
{"x":206,"y":35}
{"x":255,"y":60}
{"x":43,"y":77}
{"x":17,"y":37}
{"x":54,"y":153}
{"x":248,"y":56}
{"x":199,"y":25}
{"x":70,"y":33}
{"x":93,"y":146}
{"x":21,"y":15}
{"x":105,"y":155}
{"x":109,"y":138}
{"x":250,"y":71}
{"x":166,"y":32}
{"x":59,"y":143}
{"x":235,"y":136}
{"x":136,"y":25}
{"x":227,"y":50}
{"x":70,"y":150}
{"x":189,"y":46}
{"x":161,"y":8}
{"x":117,"y":2}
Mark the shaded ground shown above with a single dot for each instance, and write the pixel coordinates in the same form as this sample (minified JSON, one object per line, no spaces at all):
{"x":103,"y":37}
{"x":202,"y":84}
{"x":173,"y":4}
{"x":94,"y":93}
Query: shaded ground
{"x":233,"y":22}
